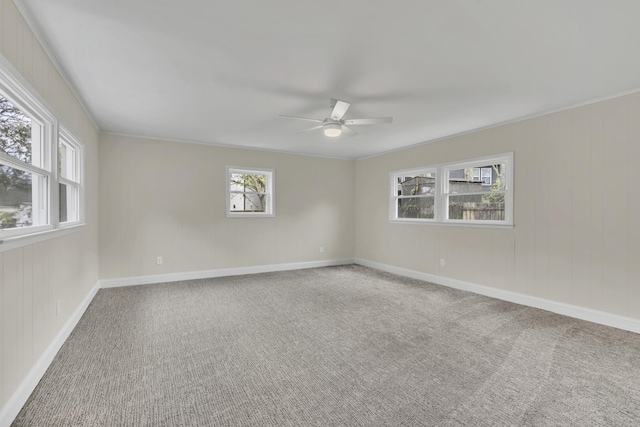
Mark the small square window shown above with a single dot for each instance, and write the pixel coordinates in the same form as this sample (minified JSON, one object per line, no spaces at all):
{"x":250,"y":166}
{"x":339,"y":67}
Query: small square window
{"x":250,"y":192}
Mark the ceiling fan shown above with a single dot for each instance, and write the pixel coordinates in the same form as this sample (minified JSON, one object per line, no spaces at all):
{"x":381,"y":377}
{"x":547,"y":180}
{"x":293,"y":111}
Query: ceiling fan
{"x":335,"y":125}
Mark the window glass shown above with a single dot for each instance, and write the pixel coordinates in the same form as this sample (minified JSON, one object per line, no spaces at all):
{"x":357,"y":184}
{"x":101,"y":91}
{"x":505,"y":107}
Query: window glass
{"x":415,"y":195}
{"x":69,"y":199}
{"x":24,"y":190}
{"x":250,"y":192}
{"x":15,"y":131}
{"x":69,"y":158}
{"x":67,"y":161}
{"x":477,"y":180}
{"x":476,"y":193}
{"x":16,"y":198}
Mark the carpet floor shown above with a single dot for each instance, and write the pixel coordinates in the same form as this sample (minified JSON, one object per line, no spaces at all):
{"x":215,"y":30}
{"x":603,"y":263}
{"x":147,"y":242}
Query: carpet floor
{"x":335,"y":346}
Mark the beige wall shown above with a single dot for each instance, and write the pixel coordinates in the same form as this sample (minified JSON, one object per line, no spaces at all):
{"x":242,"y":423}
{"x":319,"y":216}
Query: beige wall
{"x":34,"y":277}
{"x":576,"y":238}
{"x":162,"y":198}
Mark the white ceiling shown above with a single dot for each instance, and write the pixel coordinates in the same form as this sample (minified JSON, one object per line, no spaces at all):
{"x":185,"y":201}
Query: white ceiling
{"x":221,"y":72}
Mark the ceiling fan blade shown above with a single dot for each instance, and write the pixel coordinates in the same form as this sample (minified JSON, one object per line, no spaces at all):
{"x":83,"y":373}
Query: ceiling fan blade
{"x":348,"y":131}
{"x":302,"y":118}
{"x":339,"y":110}
{"x":310,"y":129}
{"x":371,"y":121}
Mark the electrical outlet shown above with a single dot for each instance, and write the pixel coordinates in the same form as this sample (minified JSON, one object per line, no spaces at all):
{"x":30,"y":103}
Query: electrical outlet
{"x":441,"y":262}
{"x":321,"y":249}
{"x":159,"y":260}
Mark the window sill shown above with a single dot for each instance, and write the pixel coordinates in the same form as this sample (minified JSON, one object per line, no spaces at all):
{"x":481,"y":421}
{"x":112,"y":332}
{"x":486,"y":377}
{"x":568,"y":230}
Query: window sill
{"x":250,"y":215}
{"x":453,"y":224}
{"x":14,"y":242}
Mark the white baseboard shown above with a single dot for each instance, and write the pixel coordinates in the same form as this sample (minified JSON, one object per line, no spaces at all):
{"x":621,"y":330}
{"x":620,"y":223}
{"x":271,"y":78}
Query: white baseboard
{"x":595,"y":316}
{"x":9,"y":412}
{"x":206,"y":274}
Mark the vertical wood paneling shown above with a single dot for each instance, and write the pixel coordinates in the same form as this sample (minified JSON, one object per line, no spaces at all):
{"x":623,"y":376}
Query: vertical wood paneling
{"x":10,"y":22}
{"x":42,"y":300}
{"x":482,"y":259}
{"x":527,"y":159}
{"x":19,"y":48}
{"x":27,"y":312}
{"x":38,"y":79}
{"x":616,"y":206}
{"x":596,"y":209}
{"x":558,"y":136}
{"x":541,"y":162}
{"x":634,"y":206}
{"x":13,"y":341}
{"x":57,"y":282}
{"x":3,"y":396}
{"x":28,"y":39}
{"x":114,"y":229}
{"x":517,"y":136}
{"x":500,"y":271}
{"x":581,"y":187}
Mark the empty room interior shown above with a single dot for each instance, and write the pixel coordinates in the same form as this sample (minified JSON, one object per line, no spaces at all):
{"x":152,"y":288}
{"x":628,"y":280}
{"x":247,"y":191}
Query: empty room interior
{"x":344,"y":213}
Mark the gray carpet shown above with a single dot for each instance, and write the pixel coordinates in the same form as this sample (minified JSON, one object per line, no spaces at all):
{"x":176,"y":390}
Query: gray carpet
{"x":337,"y":346}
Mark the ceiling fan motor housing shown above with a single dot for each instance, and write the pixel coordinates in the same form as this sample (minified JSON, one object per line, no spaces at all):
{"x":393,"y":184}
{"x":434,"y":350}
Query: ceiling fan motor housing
{"x":332,"y":128}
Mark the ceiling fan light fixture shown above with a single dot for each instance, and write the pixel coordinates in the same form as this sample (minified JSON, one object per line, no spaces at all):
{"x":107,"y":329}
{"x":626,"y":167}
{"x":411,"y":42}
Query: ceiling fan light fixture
{"x":332,"y":129}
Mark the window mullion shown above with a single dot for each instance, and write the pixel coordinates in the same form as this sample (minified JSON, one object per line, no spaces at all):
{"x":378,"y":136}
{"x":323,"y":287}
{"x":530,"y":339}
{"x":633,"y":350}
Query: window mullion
{"x":66,"y":181}
{"x":477,"y":193}
{"x":474,"y":198}
{"x":440,"y":200}
{"x":20,"y":165}
{"x":54,"y":186}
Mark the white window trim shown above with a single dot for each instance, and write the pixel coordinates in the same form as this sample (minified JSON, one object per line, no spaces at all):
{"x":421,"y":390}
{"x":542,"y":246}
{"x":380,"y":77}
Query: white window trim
{"x":270,"y":210}
{"x":441,"y":205}
{"x":19,"y":92}
{"x":393,"y":188}
{"x":68,"y":138}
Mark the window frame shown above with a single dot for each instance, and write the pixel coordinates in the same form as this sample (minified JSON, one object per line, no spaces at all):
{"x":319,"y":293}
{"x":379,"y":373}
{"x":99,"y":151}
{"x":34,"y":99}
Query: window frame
{"x":441,"y":200}
{"x":19,"y":93}
{"x":393,"y":187}
{"x":507,"y":159}
{"x":67,"y":138}
{"x":270,"y":174}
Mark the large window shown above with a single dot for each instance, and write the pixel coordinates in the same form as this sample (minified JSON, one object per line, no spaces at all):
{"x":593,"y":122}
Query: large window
{"x":476,"y":191}
{"x":250,"y":192}
{"x":40,"y":171}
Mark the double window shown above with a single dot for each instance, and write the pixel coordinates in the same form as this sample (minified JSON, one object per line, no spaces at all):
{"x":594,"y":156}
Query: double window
{"x":476,"y":191}
{"x":250,"y":192}
{"x":40,"y":166}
